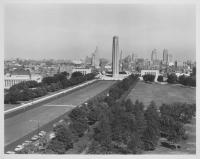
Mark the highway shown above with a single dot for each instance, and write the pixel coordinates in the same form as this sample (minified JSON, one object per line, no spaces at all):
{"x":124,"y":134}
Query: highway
{"x":18,"y":126}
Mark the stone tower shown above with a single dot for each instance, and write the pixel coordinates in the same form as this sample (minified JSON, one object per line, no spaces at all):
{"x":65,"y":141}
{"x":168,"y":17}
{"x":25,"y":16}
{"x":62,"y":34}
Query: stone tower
{"x":115,"y":58}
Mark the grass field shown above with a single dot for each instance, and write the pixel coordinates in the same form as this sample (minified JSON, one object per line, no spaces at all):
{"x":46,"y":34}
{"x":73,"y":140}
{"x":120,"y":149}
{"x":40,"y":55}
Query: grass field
{"x":168,"y":93}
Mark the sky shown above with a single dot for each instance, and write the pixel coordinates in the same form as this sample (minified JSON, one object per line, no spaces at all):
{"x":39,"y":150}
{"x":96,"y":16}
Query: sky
{"x":72,"y":31}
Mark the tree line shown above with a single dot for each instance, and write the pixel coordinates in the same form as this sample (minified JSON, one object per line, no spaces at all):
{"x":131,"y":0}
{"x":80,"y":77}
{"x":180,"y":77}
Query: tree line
{"x":119,"y":126}
{"x":80,"y":119}
{"x":29,"y":90}
{"x":124,"y":127}
{"x":173,"y":79}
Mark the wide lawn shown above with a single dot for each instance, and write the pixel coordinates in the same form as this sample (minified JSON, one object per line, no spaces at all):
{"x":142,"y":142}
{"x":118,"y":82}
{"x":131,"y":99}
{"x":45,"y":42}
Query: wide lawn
{"x":167,"y":93}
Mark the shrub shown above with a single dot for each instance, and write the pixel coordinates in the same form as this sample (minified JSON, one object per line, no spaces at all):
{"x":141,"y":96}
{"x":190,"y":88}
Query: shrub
{"x":172,"y":78}
{"x":148,"y":77}
{"x":79,"y":127}
{"x":64,"y":135}
{"x":160,"y":78}
{"x":56,"y":146}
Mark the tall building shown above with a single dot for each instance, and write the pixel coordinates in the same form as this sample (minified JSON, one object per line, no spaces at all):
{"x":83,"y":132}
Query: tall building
{"x":165,"y":56}
{"x":154,"y":55}
{"x":88,"y":60}
{"x":120,"y":62}
{"x":170,"y":58}
{"x":95,"y":58}
{"x":176,"y":64}
{"x":115,"y":59}
{"x":133,"y":57}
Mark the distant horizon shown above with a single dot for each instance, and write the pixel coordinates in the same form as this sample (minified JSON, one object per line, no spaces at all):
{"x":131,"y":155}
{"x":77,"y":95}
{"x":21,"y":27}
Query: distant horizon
{"x":72,"y":31}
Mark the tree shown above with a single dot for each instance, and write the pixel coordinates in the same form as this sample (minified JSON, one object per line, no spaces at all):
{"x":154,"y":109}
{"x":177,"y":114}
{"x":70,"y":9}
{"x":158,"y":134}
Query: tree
{"x":56,"y":146}
{"x":102,"y":132}
{"x":76,"y":74}
{"x":49,"y":80}
{"x":13,"y":97}
{"x":115,"y":92}
{"x":152,"y":131}
{"x":64,"y":135}
{"x":174,"y":129}
{"x":79,"y":127}
{"x":96,"y":112}
{"x":160,"y":78}
{"x":193,"y":71}
{"x":172,"y":78}
{"x":77,"y":113}
{"x":148,"y":77}
{"x":135,"y":144}
{"x":129,"y":105}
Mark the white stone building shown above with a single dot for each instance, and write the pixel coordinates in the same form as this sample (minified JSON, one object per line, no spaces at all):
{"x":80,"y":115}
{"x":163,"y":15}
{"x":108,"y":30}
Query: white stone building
{"x":151,"y":72}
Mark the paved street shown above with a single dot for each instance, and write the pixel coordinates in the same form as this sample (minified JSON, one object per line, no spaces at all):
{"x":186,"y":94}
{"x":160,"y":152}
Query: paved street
{"x":18,"y":126}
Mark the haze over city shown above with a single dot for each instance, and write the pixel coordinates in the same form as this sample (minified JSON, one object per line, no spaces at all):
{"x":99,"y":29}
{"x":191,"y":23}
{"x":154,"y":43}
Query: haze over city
{"x":69,"y":31}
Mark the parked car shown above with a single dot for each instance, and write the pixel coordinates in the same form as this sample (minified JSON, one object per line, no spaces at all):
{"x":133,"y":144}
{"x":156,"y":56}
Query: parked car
{"x":10,"y":152}
{"x":19,"y":148}
{"x":28,"y":141}
{"x":42,"y":133}
{"x":25,"y":144}
{"x":52,"y":135}
{"x":35,"y":137}
{"x":170,"y":145}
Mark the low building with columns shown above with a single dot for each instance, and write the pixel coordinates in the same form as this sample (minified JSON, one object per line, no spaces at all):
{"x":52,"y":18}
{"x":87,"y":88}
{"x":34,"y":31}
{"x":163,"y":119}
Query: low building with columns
{"x":151,"y":72}
{"x":19,"y":76}
{"x":84,"y":71}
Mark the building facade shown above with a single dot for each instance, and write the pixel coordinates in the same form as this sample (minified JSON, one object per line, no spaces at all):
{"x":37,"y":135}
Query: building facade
{"x":84,"y":71}
{"x":165,"y":56}
{"x":10,"y":80}
{"x":151,"y":72}
{"x":154,"y":55}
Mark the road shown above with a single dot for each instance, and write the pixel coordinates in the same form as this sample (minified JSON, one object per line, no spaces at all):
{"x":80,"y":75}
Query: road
{"x":20,"y":125}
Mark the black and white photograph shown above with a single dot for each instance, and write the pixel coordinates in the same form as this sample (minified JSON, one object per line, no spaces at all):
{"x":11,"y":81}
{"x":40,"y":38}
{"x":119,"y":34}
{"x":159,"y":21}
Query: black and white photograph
{"x":99,"y":79}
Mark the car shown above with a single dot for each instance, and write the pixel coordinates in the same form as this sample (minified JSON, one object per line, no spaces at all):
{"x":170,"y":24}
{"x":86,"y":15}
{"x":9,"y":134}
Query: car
{"x":60,"y":121}
{"x":10,"y":152}
{"x":52,"y":135}
{"x":42,"y":133}
{"x":28,"y":141}
{"x":170,"y":145}
{"x":19,"y":148}
{"x":25,"y":144}
{"x":35,"y":137}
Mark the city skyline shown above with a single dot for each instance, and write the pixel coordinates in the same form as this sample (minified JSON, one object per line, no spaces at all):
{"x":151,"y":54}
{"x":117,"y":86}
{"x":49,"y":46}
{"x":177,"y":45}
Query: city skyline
{"x":38,"y":31}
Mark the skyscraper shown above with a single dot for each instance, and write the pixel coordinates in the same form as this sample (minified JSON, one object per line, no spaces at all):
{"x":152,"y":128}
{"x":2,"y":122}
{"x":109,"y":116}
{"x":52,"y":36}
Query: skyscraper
{"x":133,"y":57}
{"x":165,"y":56}
{"x":95,"y":58}
{"x":115,"y":59}
{"x":96,"y":52}
{"x":170,"y":58}
{"x":154,"y":55}
{"x":120,"y":62}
